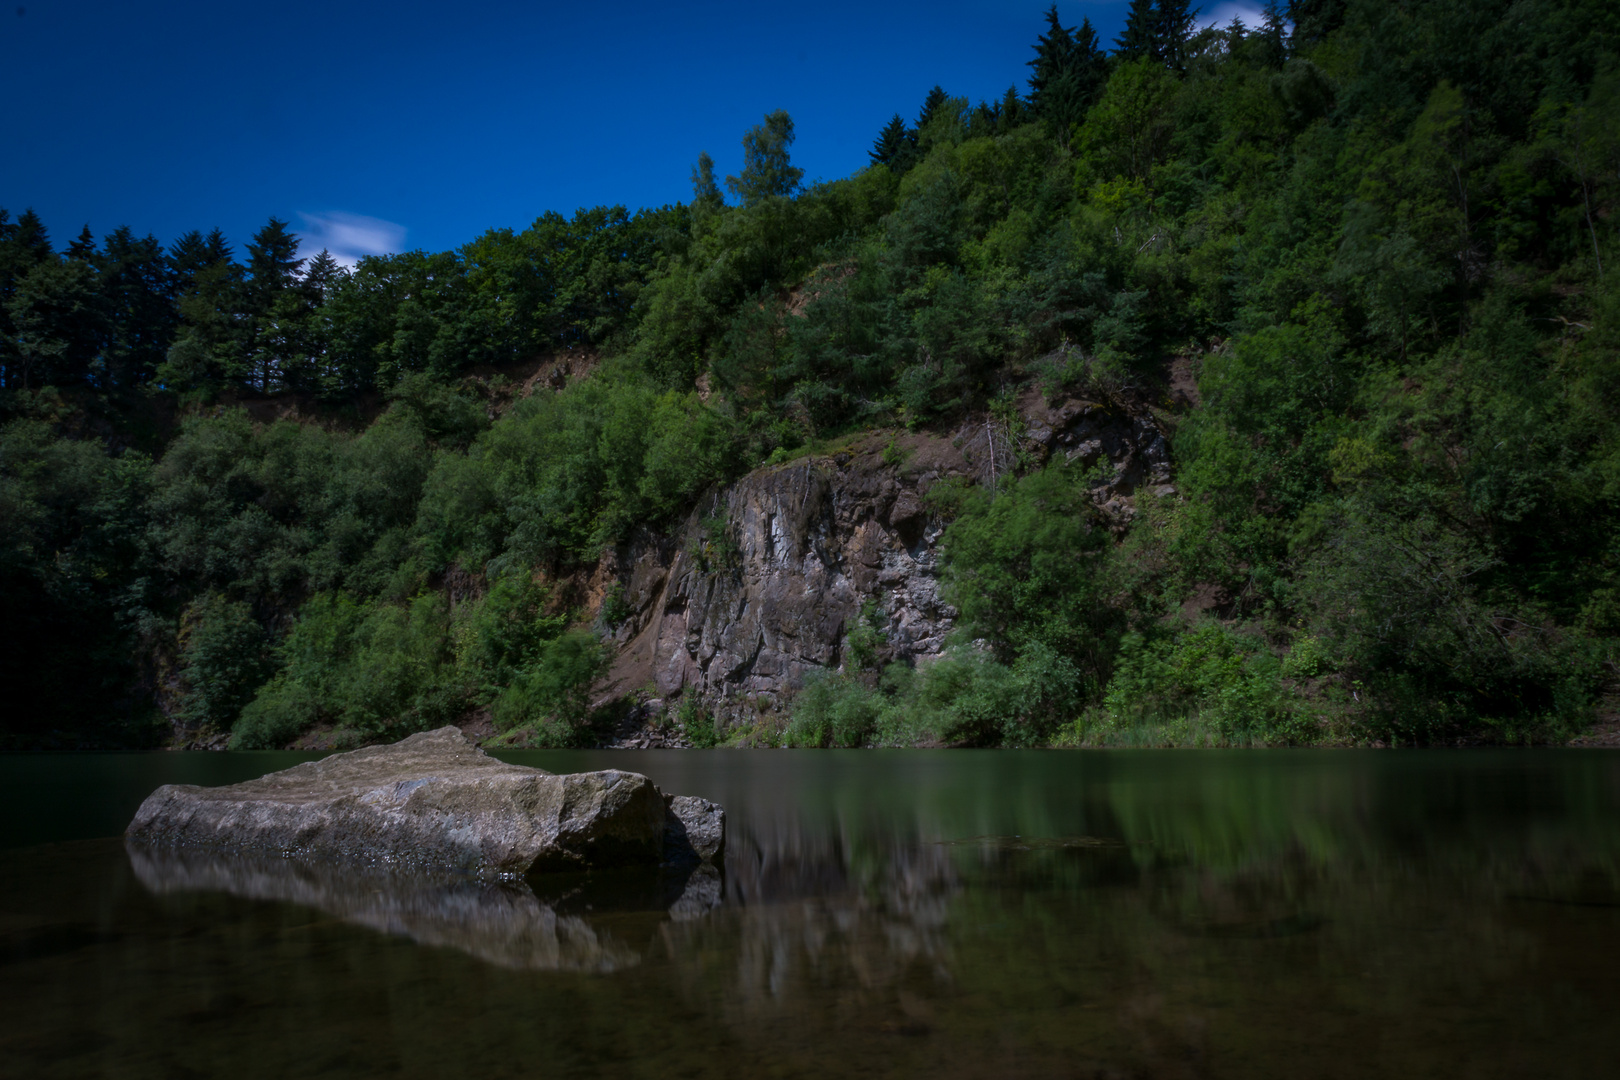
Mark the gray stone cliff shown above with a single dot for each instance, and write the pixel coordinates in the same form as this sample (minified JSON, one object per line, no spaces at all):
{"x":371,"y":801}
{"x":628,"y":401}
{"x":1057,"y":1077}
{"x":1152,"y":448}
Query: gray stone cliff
{"x":763,"y":582}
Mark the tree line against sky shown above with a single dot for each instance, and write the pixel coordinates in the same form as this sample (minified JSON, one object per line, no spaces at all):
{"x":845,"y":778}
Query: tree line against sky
{"x":1379,"y":233}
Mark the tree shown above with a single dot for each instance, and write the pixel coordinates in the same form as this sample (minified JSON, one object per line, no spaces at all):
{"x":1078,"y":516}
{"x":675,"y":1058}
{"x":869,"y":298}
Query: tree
{"x":138,"y":284}
{"x":893,"y":145}
{"x":1273,"y":37}
{"x":1013,"y":108}
{"x":931,"y":106}
{"x":705,"y":192}
{"x":58,"y":323}
{"x":1070,"y":70}
{"x":210,"y":346}
{"x":1314,"y":20}
{"x":271,"y":297}
{"x":767,"y":171}
{"x":1129,"y":130}
{"x":1175,"y":26}
{"x":1052,"y":51}
{"x":1140,"y":38}
{"x":84,"y":247}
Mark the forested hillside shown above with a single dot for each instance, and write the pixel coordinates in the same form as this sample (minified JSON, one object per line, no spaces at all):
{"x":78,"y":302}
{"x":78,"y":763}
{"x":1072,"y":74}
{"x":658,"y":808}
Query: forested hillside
{"x":257,"y":492}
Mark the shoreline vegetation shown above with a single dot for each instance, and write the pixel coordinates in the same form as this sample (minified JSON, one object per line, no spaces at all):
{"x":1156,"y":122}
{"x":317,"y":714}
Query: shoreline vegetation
{"x":1359,"y":263}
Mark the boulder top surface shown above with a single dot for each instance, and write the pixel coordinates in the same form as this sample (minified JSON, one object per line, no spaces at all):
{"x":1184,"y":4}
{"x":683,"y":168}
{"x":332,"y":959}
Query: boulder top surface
{"x":434,"y":801}
{"x":445,"y":754}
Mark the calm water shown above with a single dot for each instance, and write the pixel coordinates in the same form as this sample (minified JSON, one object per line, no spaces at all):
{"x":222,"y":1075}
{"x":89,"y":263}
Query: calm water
{"x":1063,"y":914}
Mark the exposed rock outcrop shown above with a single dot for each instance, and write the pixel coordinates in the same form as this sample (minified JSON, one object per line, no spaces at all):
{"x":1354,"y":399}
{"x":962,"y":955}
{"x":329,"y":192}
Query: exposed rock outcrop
{"x":766,"y":578}
{"x":435,"y":802}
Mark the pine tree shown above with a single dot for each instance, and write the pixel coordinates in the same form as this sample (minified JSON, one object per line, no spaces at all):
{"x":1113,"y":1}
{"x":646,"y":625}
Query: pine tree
{"x":216,"y":249}
{"x":1070,"y":70}
{"x":984,"y":120}
{"x":212,"y":343}
{"x":139,"y":287}
{"x":931,"y":105}
{"x":767,"y":170}
{"x":893,"y":145}
{"x":322,"y":274}
{"x":1089,"y":63}
{"x":1012,"y":109}
{"x":1176,"y":24}
{"x":84,"y":247}
{"x":272,"y":268}
{"x":24,"y":245}
{"x":1273,"y":35}
{"x":1053,"y":52}
{"x":1140,"y":38}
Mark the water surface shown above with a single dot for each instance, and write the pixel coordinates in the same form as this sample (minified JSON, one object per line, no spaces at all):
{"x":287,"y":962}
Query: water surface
{"x":1063,"y":914}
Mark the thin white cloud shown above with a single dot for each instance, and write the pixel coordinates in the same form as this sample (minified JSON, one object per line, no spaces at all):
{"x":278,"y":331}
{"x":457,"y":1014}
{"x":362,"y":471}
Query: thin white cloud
{"x":1220,"y":15}
{"x":349,"y":237}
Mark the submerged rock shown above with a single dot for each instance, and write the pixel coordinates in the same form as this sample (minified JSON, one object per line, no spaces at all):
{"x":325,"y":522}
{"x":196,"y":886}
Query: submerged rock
{"x":434,"y":801}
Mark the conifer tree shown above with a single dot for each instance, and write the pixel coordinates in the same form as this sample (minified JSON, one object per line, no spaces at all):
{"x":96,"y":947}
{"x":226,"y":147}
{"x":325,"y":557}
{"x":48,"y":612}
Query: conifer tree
{"x":931,"y":105}
{"x":1053,"y":50}
{"x":322,"y":274}
{"x":210,"y":346}
{"x":1273,"y":35}
{"x":84,"y":247}
{"x":1070,"y":70}
{"x":984,"y":120}
{"x":893,"y":145}
{"x":1176,"y":23}
{"x":272,"y":268}
{"x":139,"y":286}
{"x":1089,"y":63}
{"x":216,"y":249}
{"x":1012,"y":109}
{"x":1141,"y":34}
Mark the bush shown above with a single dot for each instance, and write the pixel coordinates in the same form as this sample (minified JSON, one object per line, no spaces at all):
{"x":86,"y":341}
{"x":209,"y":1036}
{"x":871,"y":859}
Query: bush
{"x":1227,"y":682}
{"x":698,"y":724}
{"x":833,"y":710}
{"x":281,"y":712}
{"x":552,"y":694}
{"x":224,"y":657}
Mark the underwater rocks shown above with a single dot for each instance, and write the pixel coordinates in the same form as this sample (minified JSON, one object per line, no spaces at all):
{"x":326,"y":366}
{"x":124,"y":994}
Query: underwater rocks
{"x":434,"y":801}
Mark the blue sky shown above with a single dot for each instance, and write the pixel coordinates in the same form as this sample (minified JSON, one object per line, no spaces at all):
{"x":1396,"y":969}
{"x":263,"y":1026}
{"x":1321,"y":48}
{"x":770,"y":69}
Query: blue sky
{"x":412,"y":125}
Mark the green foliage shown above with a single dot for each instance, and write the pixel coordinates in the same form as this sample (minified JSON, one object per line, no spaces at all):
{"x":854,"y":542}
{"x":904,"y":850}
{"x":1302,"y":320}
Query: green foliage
{"x":1385,"y":244}
{"x":767,"y":172}
{"x":697,"y":724}
{"x":1212,"y":675}
{"x":552,"y":693}
{"x":865,"y":637}
{"x":1027,"y":566}
{"x":965,"y":698}
{"x":223,"y":650}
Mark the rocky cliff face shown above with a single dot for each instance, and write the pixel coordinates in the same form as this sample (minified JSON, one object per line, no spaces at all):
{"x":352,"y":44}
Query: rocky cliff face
{"x":766,"y":578}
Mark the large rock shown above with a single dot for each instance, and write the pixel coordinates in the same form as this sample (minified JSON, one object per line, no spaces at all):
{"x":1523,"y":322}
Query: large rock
{"x":762,"y":585}
{"x":433,"y":801}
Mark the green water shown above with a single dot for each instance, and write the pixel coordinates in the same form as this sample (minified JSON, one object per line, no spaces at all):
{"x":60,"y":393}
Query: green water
{"x":1062,"y":914}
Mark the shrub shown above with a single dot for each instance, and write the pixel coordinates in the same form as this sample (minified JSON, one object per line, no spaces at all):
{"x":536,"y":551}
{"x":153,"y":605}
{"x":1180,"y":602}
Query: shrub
{"x":553,"y":693}
{"x":225,"y":659}
{"x":698,"y":724}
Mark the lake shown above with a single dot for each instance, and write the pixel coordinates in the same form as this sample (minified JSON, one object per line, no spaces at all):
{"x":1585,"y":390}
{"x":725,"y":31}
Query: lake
{"x":911,"y":913}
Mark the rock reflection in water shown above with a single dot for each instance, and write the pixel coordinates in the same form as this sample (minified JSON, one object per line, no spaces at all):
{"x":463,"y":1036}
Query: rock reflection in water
{"x":815,"y":927}
{"x":502,"y":923}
